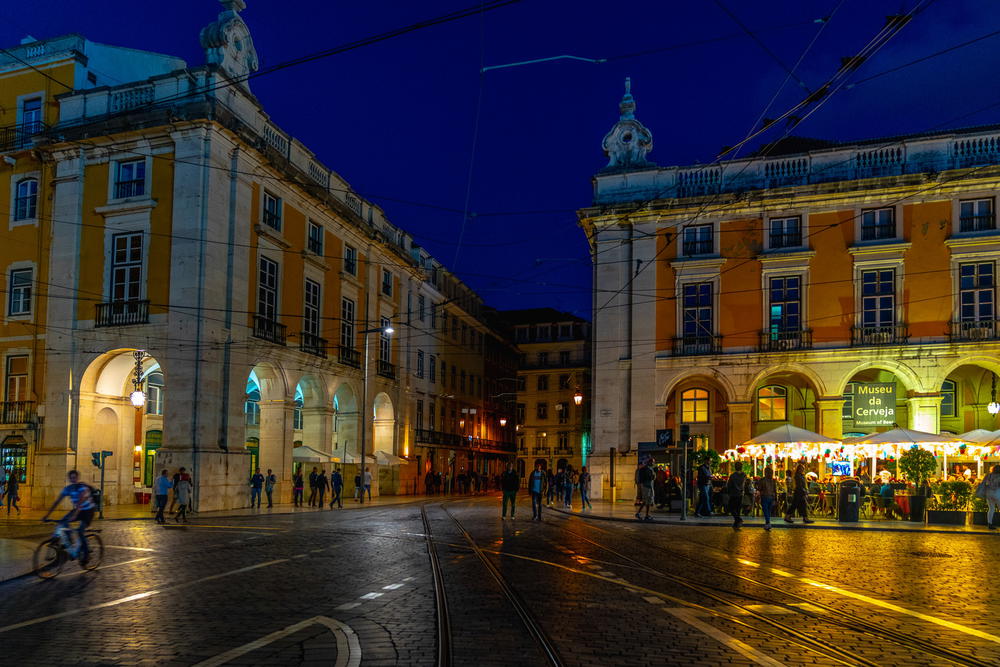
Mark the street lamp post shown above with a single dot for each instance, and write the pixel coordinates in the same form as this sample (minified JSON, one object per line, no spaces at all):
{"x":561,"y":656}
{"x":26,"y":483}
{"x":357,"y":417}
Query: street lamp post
{"x":387,"y":330}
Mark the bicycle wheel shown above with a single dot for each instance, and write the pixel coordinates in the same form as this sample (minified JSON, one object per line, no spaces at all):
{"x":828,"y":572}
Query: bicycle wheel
{"x":96,"y":549}
{"x":48,"y":559}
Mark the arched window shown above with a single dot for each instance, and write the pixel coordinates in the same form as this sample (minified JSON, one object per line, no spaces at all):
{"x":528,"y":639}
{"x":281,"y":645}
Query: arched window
{"x":694,"y":406}
{"x":154,"y":394}
{"x":772,"y":404}
{"x":949,"y":402}
{"x":26,"y":200}
{"x":297,"y":413}
{"x":251,"y":408}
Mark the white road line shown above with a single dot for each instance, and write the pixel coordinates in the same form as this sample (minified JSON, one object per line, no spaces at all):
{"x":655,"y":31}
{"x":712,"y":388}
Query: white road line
{"x":348,"y":646}
{"x":392,"y":587}
{"x":300,"y":556}
{"x":348,"y":605}
{"x":108,"y":567}
{"x":370,"y":596}
{"x":735,"y":644}
{"x":115,"y":546}
{"x":408,"y":579}
{"x":137,"y":596}
{"x":653,"y":600}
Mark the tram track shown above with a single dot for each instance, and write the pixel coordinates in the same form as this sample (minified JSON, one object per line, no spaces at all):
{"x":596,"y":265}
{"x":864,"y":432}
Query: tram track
{"x":440,"y":597}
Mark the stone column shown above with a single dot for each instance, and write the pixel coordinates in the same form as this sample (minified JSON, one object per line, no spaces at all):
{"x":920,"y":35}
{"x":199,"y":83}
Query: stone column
{"x":740,"y":423}
{"x":830,"y":416}
{"x":276,"y":438}
{"x":925,"y":412}
{"x":317,"y":425}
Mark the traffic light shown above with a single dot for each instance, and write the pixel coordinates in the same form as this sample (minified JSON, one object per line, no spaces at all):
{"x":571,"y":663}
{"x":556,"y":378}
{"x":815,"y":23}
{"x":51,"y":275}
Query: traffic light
{"x":685,"y":433}
{"x":95,"y":458}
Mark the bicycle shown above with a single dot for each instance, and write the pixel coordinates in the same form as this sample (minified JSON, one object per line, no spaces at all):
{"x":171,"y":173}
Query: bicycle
{"x":52,"y":554}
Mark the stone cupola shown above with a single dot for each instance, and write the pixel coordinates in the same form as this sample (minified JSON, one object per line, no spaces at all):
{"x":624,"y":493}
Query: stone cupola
{"x":228,"y":44}
{"x":628,"y":141}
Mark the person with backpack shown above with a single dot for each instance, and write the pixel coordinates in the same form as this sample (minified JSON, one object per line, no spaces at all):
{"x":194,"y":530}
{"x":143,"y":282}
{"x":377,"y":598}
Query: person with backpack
{"x":161,"y":487}
{"x":269,"y":481}
{"x":297,"y":489}
{"x":537,"y":485}
{"x":734,"y":489}
{"x":256,"y":486}
{"x":584,"y":482}
{"x":509,"y":484}
{"x":336,"y":488}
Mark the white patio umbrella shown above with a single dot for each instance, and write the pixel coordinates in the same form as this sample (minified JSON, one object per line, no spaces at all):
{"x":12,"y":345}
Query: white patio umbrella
{"x":786,"y":434}
{"x":387,"y":459}
{"x":907,"y":438}
{"x":309,"y":454}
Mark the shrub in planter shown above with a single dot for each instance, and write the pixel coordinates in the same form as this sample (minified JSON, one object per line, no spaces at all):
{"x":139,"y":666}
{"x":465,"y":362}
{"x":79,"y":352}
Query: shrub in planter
{"x":953,"y":504}
{"x":710,"y":456}
{"x":918,"y":465}
{"x":979,"y":511}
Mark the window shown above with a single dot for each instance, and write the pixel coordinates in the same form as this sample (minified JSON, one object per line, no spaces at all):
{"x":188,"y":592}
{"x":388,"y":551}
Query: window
{"x":420,"y":363}
{"x":154,"y":393}
{"x":310,"y":313}
{"x":948,"y":399}
{"x":297,"y":418}
{"x":878,"y":298}
{"x":17,"y":378}
{"x":563,"y":440}
{"x":465,"y":333}
{"x":31,"y":118}
{"x":785,"y":232}
{"x":251,"y":407}
{"x":698,"y":240}
{"x":543,"y":383}
{"x":420,"y":414}
{"x":772,"y":403}
{"x":19,"y":292}
{"x":432,"y":367}
{"x":697,"y":311}
{"x":976,"y":215}
{"x":542,"y":410}
{"x":350,"y":260}
{"x":565,"y":331}
{"x":454,"y":376}
{"x":848,"y":410}
{"x":126,"y":267}
{"x":315,"y":238}
{"x":543,"y":332}
{"x":272,"y":211}
{"x":347,"y":323}
{"x":384,"y":342}
{"x":785,"y":311}
{"x":543,"y":358}
{"x":564,"y":358}
{"x":542,"y":440}
{"x":519,"y":413}
{"x":521,"y":334}
{"x":564,"y":381}
{"x":267,"y":289}
{"x":14,"y":457}
{"x":432,"y":416}
{"x":694,"y":406}
{"x":26,"y":200}
{"x":563,"y":410}
{"x":976,"y":292}
{"x":879,"y":223}
{"x":421,"y":307}
{"x":386,"y":282}
{"x":454,"y":327}
{"x":434,"y":316}
{"x":130,"y":179}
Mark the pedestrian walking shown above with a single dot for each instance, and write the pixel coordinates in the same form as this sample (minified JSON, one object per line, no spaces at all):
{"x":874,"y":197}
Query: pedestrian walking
{"x":312,"y":487}
{"x":269,"y":481}
{"x":509,"y":484}
{"x":322,"y":484}
{"x":438,"y":479}
{"x":559,"y":482}
{"x":3,"y":484}
{"x":734,"y":488}
{"x":161,"y":487}
{"x":989,"y":489}
{"x":799,"y":496}
{"x":768,"y":490}
{"x":571,"y":481}
{"x":704,"y":507}
{"x":256,"y":486}
{"x":173,"y":498}
{"x":550,"y":487}
{"x":537,"y":483}
{"x":429,"y":482}
{"x":13,"y":482}
{"x":297,"y":489}
{"x":336,"y":488}
{"x":644,"y":486}
{"x":585,"y":489}
{"x":368,"y":483}
{"x":182,"y":493}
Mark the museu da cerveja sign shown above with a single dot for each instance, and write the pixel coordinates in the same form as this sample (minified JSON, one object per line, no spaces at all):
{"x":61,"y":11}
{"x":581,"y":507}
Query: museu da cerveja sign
{"x":874,"y":404}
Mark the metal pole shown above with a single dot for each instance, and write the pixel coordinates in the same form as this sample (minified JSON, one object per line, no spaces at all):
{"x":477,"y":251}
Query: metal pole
{"x":684,"y":482}
{"x":100,"y":505}
{"x":613,"y":487}
{"x":364,"y":424}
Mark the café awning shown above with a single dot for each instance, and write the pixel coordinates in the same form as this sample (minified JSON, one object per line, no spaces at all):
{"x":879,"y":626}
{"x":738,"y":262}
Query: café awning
{"x":387,"y":459}
{"x":905,"y":436}
{"x":310,"y":454}
{"x":787,"y":434}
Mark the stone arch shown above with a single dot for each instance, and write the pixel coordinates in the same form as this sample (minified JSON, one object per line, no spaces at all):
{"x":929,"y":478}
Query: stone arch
{"x":910,"y":379}
{"x":718,"y":380}
{"x":818,"y":386}
{"x":313,"y":391}
{"x":988,"y":363}
{"x":383,"y":423}
{"x":271,"y":379}
{"x":346,"y":417}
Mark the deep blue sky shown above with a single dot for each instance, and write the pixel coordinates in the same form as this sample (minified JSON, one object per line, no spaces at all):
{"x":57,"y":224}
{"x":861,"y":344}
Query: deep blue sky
{"x":396,"y":119}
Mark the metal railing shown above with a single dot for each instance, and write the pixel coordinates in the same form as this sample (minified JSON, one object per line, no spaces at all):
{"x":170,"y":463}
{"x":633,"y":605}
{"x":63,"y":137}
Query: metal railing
{"x":565,"y":451}
{"x":14,"y":137}
{"x":786,"y":240}
{"x":312,"y":344}
{"x":133,"y":188}
{"x":977,"y":223}
{"x":386,"y":370}
{"x":17,"y":412}
{"x":698,"y":247}
{"x":349,"y":356}
{"x":122,"y":313}
{"x":974,"y":330}
{"x":781,"y":341}
{"x":269,"y":330}
{"x":429,"y":437}
{"x":691,"y":345}
{"x":543,"y":451}
{"x":272,"y":220}
{"x":315,"y":245}
{"x":892,"y":334}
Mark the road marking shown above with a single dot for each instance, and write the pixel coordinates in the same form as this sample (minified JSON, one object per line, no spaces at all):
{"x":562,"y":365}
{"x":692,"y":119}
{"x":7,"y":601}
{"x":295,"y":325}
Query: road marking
{"x":392,"y":587}
{"x":115,"y":546}
{"x":348,"y":605}
{"x":137,"y":596}
{"x":748,"y":563}
{"x":735,"y":644}
{"x":207,"y":525}
{"x":348,"y":646}
{"x":653,"y":600}
{"x":370,"y":596}
{"x":903,"y":610}
{"x":408,"y":579}
{"x":300,"y":556}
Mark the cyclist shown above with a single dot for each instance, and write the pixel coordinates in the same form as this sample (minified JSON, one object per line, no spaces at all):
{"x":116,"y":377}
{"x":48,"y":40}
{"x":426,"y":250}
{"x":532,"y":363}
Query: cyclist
{"x":83,"y":511}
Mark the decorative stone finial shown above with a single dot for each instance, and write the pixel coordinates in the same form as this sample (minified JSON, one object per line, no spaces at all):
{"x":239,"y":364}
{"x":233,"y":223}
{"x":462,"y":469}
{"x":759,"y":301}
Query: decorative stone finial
{"x":628,"y":141}
{"x":228,"y":44}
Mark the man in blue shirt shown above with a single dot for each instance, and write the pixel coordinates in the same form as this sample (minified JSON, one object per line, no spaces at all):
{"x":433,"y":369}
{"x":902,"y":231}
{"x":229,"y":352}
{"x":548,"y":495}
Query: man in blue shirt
{"x":161,"y":489}
{"x":82,"y":511}
{"x":256,"y":486}
{"x":336,"y":486}
{"x":537,"y":481}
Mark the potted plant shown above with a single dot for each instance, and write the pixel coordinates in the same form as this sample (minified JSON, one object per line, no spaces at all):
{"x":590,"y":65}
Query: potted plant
{"x":952,"y":503}
{"x":709,"y":456}
{"x":918,"y":465}
{"x":979,"y":511}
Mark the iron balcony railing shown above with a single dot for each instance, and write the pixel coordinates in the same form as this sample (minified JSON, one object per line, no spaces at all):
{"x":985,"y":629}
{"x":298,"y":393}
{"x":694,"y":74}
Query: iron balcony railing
{"x":349,"y":356}
{"x":13,"y":137}
{"x":786,"y":240}
{"x":698,"y":247}
{"x":386,"y":370}
{"x":692,"y":345}
{"x":124,"y":189}
{"x":429,"y":437}
{"x":891,"y":334}
{"x":974,"y":330}
{"x":540,"y":451}
{"x":272,"y":219}
{"x":17,"y":412}
{"x":312,"y":344}
{"x":269,"y":330}
{"x":565,"y":451}
{"x":977,"y":223}
{"x":781,"y":341}
{"x":122,"y":313}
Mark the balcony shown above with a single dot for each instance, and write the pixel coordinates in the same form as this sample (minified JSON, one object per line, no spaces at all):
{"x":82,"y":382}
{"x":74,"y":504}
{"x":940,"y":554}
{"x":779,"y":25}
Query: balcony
{"x":540,"y":451}
{"x":973,"y":331}
{"x":564,"y":451}
{"x":122,"y":313}
{"x":892,"y":334}
{"x":692,"y":345}
{"x":386,"y":370}
{"x":17,"y":412}
{"x":784,"y":341}
{"x":14,"y":137}
{"x":977,"y":223}
{"x":698,"y":247}
{"x":349,"y":356}
{"x":429,"y":437}
{"x":269,"y":330}
{"x":312,"y":344}
{"x":786,"y":240}
{"x":124,"y":189}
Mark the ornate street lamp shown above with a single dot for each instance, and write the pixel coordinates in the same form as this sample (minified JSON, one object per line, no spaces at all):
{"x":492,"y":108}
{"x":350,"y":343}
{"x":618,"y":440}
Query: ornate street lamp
{"x":993,"y":408}
{"x":138,"y":396}
{"x":578,"y":397}
{"x":503,"y":422}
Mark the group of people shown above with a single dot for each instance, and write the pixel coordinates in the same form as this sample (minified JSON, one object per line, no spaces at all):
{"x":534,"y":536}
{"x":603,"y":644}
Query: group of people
{"x":319,"y":484}
{"x":742,"y":492}
{"x":544,"y":487}
{"x":182,"y":485}
{"x":10,"y":482}
{"x":436,"y":482}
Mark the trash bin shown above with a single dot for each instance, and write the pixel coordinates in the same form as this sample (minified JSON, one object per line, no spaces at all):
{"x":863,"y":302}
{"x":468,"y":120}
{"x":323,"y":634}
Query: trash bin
{"x":98,"y":498}
{"x":850,"y":500}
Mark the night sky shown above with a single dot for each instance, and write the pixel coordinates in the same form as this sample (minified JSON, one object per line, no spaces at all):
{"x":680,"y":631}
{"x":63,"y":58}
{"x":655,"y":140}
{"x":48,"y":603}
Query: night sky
{"x":397,"y":119}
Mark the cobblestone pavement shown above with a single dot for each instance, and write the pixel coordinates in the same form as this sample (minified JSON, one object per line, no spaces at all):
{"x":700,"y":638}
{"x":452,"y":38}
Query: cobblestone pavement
{"x":331,"y":586}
